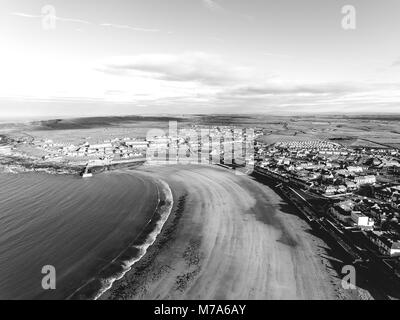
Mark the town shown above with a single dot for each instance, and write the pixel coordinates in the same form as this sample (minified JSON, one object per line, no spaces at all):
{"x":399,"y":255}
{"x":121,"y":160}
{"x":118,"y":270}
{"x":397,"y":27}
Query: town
{"x":351,"y":193}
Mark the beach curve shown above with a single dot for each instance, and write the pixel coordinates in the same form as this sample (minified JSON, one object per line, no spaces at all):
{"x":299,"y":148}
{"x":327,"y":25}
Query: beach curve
{"x":139,"y":246}
{"x":227,"y":238}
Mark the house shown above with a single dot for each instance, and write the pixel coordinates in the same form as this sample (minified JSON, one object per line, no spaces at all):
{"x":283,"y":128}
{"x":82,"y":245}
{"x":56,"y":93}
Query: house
{"x":387,"y":243}
{"x":342,"y":211}
{"x":350,"y":185}
{"x":361,"y":180}
{"x":361,"y":220}
{"x":343,"y":173}
{"x":388,"y":194}
{"x":355,"y":169}
{"x":384,"y":194}
{"x":329,"y":190}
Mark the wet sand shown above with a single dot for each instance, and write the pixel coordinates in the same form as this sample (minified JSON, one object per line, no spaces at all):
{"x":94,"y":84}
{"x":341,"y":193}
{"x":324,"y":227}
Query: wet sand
{"x":229,"y":237}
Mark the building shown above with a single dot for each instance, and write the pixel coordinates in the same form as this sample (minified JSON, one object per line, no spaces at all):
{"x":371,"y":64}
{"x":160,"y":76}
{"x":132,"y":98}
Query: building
{"x":343,"y":173}
{"x":137,"y":144}
{"x":384,"y":194}
{"x":361,"y":180}
{"x":361,"y":220}
{"x":388,"y":194}
{"x":342,"y":211}
{"x":385,"y":242}
{"x":355,"y":169}
{"x":329,"y":190}
{"x":5,"y":150}
{"x":350,"y":185}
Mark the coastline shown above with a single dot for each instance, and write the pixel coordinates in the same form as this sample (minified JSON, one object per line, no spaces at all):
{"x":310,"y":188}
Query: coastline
{"x":12,"y":164}
{"x":77,"y":225}
{"x":117,"y":268}
{"x":211,"y":250}
{"x":219,"y":228}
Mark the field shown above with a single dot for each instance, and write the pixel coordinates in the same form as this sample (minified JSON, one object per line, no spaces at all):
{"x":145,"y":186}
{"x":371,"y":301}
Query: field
{"x":356,"y":131}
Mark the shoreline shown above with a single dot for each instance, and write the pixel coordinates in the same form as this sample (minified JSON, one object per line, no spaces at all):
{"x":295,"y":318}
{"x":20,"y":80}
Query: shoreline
{"x":95,"y":287}
{"x":163,"y":238}
{"x":12,"y":164}
{"x":203,"y":226}
{"x":180,"y":262}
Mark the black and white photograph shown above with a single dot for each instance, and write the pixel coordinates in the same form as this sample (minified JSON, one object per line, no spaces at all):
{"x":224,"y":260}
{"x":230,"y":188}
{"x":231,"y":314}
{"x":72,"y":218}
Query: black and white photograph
{"x":215,"y":152}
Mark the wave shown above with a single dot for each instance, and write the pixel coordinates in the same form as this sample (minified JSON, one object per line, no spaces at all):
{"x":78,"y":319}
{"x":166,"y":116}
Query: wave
{"x":123,"y":263}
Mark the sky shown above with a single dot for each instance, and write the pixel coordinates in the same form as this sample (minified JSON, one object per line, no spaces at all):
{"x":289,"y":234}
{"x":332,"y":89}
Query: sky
{"x":117,"y":57}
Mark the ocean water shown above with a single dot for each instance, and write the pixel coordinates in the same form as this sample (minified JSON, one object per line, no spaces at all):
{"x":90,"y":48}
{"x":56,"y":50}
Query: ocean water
{"x":90,"y":230}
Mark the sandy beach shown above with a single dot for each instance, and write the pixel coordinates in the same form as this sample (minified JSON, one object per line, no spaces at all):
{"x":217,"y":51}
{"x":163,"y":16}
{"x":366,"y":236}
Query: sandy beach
{"x":229,"y":237}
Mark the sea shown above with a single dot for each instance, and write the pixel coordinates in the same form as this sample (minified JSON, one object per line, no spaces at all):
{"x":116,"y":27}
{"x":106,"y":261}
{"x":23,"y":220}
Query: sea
{"x":89,"y":231}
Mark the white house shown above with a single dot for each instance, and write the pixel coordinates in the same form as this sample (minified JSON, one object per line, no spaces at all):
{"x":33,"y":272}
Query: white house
{"x":361,"y":220}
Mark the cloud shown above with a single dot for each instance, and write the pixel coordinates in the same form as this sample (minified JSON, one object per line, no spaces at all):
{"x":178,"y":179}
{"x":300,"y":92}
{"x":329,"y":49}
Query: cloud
{"x":296,"y":89}
{"x":72,"y":20}
{"x":285,"y":97}
{"x":196,"y":67}
{"x":26,"y":15}
{"x":110,"y":25}
{"x":285,"y":56}
{"x":122,"y":26}
{"x":396,"y":63}
{"x":212,"y":5}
